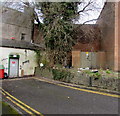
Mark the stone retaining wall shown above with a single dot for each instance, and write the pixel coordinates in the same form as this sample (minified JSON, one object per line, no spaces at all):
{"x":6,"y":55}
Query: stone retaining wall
{"x":83,"y":79}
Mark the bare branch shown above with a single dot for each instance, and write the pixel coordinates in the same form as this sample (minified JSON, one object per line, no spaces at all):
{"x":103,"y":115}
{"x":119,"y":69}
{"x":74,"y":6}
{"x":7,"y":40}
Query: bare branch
{"x":90,"y":21}
{"x":90,"y":2}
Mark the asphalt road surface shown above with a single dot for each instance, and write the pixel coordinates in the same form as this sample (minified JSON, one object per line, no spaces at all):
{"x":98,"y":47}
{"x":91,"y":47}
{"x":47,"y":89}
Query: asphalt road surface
{"x":53,"y":99}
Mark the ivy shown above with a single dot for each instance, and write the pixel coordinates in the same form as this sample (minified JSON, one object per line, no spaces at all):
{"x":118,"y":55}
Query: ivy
{"x":58,"y":28}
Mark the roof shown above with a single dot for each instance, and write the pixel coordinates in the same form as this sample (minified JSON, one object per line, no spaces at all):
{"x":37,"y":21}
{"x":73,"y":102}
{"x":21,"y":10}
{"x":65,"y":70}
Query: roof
{"x":19,"y":44}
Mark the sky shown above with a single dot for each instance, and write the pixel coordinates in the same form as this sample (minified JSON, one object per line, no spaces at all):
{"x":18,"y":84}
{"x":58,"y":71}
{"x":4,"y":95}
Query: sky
{"x":91,"y":14}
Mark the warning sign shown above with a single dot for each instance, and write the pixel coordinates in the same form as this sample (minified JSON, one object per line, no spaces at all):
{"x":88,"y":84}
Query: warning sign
{"x":13,"y":62}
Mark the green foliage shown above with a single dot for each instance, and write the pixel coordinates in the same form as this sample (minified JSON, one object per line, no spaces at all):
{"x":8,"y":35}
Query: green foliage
{"x":45,"y":62}
{"x":8,"y":110}
{"x":58,"y":27}
{"x":108,"y":71}
{"x":96,"y":75}
{"x":64,"y":10}
{"x":42,"y":57}
{"x":62,"y":74}
{"x":58,"y":66}
{"x":38,"y":56}
{"x":87,"y":72}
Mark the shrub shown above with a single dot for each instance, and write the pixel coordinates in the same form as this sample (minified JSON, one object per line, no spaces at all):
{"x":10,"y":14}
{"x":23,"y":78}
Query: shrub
{"x":45,"y":62}
{"x":62,"y":74}
{"x":97,"y":75}
{"x":108,"y":71}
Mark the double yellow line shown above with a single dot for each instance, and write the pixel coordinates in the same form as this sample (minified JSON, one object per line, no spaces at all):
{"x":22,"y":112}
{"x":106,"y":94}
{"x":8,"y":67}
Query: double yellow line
{"x":20,"y":104}
{"x":80,"y":89}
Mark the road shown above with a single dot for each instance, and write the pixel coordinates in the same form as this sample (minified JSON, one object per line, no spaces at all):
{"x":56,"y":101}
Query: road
{"x":48,"y":98}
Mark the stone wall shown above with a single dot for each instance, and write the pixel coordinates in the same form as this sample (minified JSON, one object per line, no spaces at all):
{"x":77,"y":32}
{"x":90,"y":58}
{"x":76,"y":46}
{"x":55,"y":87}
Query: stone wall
{"x":14,"y":23}
{"x":102,"y":83}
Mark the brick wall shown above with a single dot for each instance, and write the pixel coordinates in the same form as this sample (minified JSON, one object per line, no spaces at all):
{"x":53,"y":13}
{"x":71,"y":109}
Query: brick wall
{"x":117,"y":37}
{"x":38,"y":37}
{"x":88,"y":37}
{"x":106,"y":24}
{"x":90,"y":47}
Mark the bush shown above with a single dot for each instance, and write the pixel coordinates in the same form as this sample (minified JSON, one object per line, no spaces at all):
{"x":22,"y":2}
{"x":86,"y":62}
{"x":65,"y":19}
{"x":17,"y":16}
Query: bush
{"x":45,"y":62}
{"x":62,"y":74}
{"x":108,"y":71}
{"x":97,"y":75}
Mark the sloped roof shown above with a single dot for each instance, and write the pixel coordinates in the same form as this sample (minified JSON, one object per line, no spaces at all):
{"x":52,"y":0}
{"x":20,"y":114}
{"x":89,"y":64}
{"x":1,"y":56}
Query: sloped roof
{"x":18,"y":44}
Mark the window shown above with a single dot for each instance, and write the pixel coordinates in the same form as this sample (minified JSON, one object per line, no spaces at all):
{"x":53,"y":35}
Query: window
{"x":23,"y":36}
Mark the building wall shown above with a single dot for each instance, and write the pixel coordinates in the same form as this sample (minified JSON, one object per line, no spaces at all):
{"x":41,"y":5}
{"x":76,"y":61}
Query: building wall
{"x":14,"y":23}
{"x":101,"y":60}
{"x":117,"y":37}
{"x":38,"y":36}
{"x":89,"y":43}
{"x":108,"y":49}
{"x":27,"y":67}
{"x":76,"y":59}
{"x":118,"y":41}
{"x":87,"y":37}
{"x":106,"y":24}
{"x":88,"y":59}
{"x":90,"y":47}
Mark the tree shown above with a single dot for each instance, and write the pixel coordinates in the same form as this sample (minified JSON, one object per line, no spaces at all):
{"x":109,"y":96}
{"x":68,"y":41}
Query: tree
{"x":58,"y":28}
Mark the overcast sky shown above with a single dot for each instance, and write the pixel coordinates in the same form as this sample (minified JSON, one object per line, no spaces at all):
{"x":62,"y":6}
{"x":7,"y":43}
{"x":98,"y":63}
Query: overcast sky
{"x":91,"y":14}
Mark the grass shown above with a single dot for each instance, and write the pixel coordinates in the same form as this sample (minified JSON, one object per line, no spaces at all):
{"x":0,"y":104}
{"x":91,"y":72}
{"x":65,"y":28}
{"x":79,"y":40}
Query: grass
{"x":7,"y":109}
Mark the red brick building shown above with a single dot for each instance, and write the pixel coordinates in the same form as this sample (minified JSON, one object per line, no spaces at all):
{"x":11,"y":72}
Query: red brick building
{"x":107,"y":45}
{"x":109,"y":24}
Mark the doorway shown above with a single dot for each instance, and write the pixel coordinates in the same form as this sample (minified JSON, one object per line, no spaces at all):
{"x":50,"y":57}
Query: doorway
{"x":13,"y":66}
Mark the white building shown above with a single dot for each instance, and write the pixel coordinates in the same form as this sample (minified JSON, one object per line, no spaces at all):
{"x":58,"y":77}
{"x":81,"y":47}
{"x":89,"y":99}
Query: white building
{"x":16,"y":51}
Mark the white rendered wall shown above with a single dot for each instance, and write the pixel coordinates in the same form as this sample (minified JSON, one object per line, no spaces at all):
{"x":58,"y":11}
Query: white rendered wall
{"x":30,"y":55}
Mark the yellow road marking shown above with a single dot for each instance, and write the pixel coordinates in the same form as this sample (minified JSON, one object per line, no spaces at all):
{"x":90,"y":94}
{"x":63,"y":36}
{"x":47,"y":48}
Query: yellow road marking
{"x":85,"y":90}
{"x":38,"y":113}
{"x":90,"y":91}
{"x":20,"y":106}
{"x":2,"y":93}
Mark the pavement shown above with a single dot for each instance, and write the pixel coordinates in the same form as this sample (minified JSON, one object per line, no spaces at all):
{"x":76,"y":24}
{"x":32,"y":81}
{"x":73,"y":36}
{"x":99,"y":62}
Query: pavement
{"x":44,"y":97}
